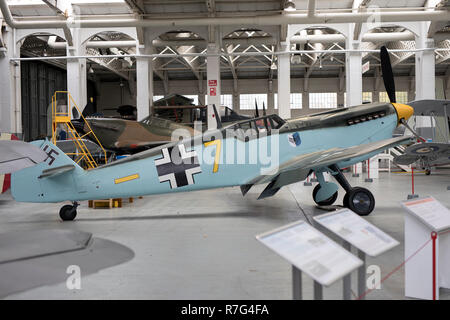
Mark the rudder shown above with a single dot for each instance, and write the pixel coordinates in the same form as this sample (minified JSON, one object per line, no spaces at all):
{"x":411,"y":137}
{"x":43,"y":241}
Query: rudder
{"x":44,"y":182}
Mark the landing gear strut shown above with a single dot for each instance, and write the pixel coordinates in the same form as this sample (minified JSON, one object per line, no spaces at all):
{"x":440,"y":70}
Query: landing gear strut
{"x":68,"y":212}
{"x":360,"y":200}
{"x":326,"y":202}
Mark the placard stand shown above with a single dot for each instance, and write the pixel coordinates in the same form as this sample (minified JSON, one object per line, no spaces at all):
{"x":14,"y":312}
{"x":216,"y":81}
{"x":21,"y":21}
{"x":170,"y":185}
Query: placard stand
{"x":311,"y":252}
{"x":347,"y":285}
{"x":362,"y":276}
{"x":364,"y":236}
{"x":297,"y":288}
{"x":427,"y":245}
{"x":296,"y":283}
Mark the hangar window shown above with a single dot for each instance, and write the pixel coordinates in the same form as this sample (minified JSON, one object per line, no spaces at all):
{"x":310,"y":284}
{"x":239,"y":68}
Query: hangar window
{"x":401,"y":96}
{"x":295,"y":100}
{"x":366,"y":97}
{"x":226,"y":100}
{"x":247,"y":101}
{"x":323,"y":100}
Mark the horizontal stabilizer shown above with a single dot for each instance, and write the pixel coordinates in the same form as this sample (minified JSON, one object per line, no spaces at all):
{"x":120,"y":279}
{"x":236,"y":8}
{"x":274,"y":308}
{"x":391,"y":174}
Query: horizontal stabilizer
{"x":49,"y":173}
{"x":17,"y":155}
{"x":245,"y":188}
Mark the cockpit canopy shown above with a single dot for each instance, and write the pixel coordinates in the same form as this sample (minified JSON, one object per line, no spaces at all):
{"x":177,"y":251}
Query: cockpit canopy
{"x":256,"y":127}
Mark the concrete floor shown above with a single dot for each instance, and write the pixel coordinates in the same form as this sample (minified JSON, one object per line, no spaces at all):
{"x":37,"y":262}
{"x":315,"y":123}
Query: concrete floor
{"x":201,"y":245}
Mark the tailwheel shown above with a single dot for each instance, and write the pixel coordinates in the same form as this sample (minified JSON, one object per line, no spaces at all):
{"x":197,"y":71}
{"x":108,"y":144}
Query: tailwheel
{"x":359,"y":200}
{"x":427,"y":172}
{"x":326,"y":202}
{"x":68,"y":212}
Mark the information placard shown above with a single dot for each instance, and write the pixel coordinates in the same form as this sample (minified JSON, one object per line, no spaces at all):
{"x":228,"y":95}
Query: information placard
{"x":311,"y":251}
{"x":429,"y":211}
{"x":357,"y":231}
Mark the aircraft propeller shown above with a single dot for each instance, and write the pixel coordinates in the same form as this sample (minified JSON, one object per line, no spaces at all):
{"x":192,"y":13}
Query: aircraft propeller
{"x":389,"y":84}
{"x":388,"y":75}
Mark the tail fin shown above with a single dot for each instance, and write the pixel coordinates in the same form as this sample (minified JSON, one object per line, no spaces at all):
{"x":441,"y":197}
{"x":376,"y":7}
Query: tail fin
{"x":48,"y":181}
{"x":55,"y":156}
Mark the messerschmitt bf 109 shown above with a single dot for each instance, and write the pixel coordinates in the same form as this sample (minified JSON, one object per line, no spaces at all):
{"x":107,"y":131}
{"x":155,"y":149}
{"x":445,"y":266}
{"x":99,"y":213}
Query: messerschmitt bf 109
{"x":319,"y":143}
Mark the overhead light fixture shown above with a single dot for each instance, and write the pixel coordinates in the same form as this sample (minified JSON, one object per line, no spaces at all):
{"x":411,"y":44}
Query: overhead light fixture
{"x":296,"y":59}
{"x":273,"y":66}
{"x":91,"y":70}
{"x":289,"y":5}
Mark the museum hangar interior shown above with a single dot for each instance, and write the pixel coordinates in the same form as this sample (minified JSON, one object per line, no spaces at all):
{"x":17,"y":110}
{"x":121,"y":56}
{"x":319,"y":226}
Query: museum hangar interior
{"x":213,"y":149}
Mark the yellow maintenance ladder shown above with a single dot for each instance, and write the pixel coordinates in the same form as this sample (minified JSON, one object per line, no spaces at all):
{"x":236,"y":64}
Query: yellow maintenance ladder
{"x":63,"y":117}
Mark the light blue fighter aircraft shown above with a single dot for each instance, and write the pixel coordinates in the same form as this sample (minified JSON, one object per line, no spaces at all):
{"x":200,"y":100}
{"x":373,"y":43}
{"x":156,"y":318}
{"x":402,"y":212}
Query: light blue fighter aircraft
{"x":323,"y":142}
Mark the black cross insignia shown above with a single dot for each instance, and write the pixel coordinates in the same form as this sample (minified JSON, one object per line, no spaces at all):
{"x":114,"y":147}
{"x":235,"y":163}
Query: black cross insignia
{"x":177,"y":166}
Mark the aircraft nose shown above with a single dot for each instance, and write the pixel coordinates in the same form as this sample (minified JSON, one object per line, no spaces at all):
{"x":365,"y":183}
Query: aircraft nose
{"x":403,"y":111}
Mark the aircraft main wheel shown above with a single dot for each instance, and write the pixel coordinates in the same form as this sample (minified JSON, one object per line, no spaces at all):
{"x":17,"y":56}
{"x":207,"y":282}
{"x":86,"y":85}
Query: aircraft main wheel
{"x":327,"y":202}
{"x":427,"y":172}
{"x":345,"y":200}
{"x":68,"y":212}
{"x":360,"y":200}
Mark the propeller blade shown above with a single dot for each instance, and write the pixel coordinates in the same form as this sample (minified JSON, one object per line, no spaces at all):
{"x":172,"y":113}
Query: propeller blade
{"x":264,"y":109}
{"x":256,"y":109}
{"x":388,"y":75}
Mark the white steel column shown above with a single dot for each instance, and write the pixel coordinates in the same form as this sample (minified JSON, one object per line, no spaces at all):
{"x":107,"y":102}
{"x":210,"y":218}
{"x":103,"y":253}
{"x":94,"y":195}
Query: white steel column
{"x":144,"y":84}
{"x":425,"y":66}
{"x":284,"y":82}
{"x":76,"y":72}
{"x":10,"y":90}
{"x":353,"y":74}
{"x":213,"y":83}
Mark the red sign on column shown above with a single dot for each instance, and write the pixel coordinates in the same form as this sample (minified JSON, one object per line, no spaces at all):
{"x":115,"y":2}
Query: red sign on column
{"x":212,"y":91}
{"x":212,"y":83}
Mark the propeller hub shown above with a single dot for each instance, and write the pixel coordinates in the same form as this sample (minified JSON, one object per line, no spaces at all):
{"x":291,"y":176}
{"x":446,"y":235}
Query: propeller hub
{"x":403,"y":111}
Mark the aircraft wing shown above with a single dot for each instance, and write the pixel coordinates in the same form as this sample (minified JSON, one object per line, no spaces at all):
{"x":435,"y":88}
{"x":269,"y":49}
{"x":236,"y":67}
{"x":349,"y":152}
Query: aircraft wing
{"x":432,"y":153}
{"x":428,"y":107}
{"x":16,"y":155}
{"x":298,"y":168}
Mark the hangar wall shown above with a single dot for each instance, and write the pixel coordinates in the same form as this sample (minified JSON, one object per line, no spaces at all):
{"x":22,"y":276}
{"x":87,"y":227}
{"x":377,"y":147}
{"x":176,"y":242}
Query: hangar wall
{"x":112,"y":94}
{"x":38,"y":83}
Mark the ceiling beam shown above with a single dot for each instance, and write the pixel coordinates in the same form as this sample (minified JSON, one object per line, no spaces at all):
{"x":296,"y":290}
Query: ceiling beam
{"x":229,"y":49}
{"x":359,"y":6}
{"x":444,"y":55}
{"x":311,"y":8}
{"x":53,"y":4}
{"x":136,"y":5}
{"x":192,"y":62}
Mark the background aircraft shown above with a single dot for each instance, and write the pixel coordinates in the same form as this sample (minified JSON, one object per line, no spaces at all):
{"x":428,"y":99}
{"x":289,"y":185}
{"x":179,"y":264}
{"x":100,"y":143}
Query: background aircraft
{"x":429,"y":153}
{"x":128,"y":136}
{"x":323,"y":142}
